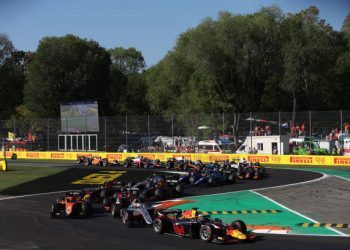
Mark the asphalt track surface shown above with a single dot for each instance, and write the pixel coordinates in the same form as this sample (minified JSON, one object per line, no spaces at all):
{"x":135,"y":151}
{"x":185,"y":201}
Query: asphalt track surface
{"x":25,"y":222}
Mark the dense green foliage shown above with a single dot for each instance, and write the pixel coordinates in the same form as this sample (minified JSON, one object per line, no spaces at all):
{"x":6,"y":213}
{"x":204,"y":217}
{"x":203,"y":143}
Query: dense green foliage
{"x":266,"y":61}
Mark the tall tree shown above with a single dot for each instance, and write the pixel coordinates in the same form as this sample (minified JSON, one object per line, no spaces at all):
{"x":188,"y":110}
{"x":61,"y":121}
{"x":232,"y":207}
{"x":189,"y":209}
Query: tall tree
{"x":309,"y":51}
{"x":65,"y":69}
{"x":127,"y":89}
{"x":12,"y":77}
{"x":6,"y":48}
{"x":128,"y":61}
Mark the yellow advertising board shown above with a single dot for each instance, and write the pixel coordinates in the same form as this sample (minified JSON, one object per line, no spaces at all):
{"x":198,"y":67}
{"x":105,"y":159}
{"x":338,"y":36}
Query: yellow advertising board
{"x":3,"y":163}
{"x":264,"y":159}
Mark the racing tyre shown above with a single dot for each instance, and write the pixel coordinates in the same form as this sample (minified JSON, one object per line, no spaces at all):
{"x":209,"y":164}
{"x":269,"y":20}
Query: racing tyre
{"x":212,"y":181}
{"x":104,"y":163}
{"x":103,"y":194}
{"x":158,"y":226}
{"x":148,"y":184}
{"x":240,"y":225}
{"x":142,"y":196}
{"x":232,"y":178}
{"x":59,"y":199}
{"x":125,"y":219}
{"x":179,"y":189}
{"x":86,"y":209}
{"x":106,"y":202}
{"x":159,"y":193}
{"x":86,"y":162}
{"x":55,"y":208}
{"x":116,"y":210}
{"x":205,"y":233}
{"x":192,"y":180}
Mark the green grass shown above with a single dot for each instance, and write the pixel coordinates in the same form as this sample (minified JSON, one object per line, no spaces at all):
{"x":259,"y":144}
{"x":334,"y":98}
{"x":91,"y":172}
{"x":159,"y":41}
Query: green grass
{"x":17,"y":175}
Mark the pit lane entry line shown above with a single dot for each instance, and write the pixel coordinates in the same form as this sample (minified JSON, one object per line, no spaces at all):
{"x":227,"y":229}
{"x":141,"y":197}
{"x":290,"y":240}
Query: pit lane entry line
{"x":297,"y":213}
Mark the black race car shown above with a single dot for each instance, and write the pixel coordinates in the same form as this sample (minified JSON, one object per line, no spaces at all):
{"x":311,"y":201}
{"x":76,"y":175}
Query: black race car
{"x":192,"y":224}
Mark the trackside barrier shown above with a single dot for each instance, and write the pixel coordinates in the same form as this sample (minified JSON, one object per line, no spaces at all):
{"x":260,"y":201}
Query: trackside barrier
{"x":3,"y":163}
{"x":267,"y":159}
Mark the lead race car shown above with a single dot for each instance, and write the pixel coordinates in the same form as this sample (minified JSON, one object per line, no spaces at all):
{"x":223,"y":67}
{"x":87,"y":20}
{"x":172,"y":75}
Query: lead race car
{"x":193,"y":224}
{"x":72,"y":205}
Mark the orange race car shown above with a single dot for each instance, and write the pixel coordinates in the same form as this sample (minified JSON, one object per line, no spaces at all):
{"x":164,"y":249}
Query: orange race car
{"x":95,"y":160}
{"x":72,"y":205}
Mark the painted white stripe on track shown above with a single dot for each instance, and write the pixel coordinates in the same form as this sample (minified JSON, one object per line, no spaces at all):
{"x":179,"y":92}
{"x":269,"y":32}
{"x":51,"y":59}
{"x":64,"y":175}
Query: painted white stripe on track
{"x":295,"y":212}
{"x":32,"y":195}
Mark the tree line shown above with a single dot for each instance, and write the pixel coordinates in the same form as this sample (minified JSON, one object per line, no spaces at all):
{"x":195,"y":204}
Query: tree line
{"x":266,"y":61}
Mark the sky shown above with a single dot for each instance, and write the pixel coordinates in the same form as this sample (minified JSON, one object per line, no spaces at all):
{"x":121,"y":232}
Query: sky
{"x":151,"y":26}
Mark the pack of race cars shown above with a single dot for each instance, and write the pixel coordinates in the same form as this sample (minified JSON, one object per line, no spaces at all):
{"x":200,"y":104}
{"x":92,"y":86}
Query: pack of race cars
{"x":134,"y":202}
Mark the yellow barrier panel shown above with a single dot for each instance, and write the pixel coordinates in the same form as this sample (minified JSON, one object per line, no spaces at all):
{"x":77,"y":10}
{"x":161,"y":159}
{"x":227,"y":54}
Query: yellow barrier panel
{"x":267,"y":159}
{"x":3,"y":163}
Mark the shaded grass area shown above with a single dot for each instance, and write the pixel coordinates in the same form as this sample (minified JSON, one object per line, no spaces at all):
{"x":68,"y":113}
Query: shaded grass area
{"x":17,"y":175}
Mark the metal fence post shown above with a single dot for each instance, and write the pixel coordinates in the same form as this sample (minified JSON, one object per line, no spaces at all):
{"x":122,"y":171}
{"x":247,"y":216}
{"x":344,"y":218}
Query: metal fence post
{"x":223,"y":124}
{"x":172,"y":129}
{"x":310,"y":123}
{"x":105,"y":133}
{"x":279,"y":131}
{"x":126,"y":131}
{"x":149,"y":132}
{"x":14,"y":128}
{"x":48,"y":135}
{"x":250,"y":131}
{"x":342,"y":132}
{"x":66,"y":139}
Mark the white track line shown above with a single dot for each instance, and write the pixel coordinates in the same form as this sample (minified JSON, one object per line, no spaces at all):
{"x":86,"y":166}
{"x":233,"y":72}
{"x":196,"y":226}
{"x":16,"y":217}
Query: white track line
{"x":324,"y":176}
{"x":31,"y":195}
{"x":297,"y":213}
{"x":343,"y":178}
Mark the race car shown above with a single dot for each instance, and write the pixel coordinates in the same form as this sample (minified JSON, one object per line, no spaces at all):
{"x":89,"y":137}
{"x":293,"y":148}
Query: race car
{"x":249,"y":170}
{"x":215,"y":177}
{"x":104,"y":194}
{"x":95,"y":160}
{"x":72,"y":205}
{"x":137,"y":214}
{"x":160,"y":187}
{"x":193,"y":224}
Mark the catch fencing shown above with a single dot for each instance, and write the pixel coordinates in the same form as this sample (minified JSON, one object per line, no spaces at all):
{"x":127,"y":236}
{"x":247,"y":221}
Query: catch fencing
{"x":140,"y":133}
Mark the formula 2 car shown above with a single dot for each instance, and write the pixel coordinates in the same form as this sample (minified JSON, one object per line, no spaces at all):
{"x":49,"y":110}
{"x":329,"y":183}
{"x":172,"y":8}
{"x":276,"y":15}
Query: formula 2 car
{"x":72,"y":205}
{"x":192,"y":224}
{"x":137,"y":214}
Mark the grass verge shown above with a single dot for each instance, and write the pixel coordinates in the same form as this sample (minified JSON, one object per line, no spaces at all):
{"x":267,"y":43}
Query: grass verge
{"x":17,"y":175}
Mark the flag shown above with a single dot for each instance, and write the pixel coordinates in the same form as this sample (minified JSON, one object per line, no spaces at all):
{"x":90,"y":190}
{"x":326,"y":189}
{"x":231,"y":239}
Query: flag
{"x":11,"y":136}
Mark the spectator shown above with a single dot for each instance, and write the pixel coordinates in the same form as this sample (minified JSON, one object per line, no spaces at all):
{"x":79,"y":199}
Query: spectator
{"x":302,"y":129}
{"x":255,"y":151}
{"x":275,"y":151}
{"x":293,"y":131}
{"x":297,"y":130}
{"x":346,"y":128}
{"x":268,"y":129}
